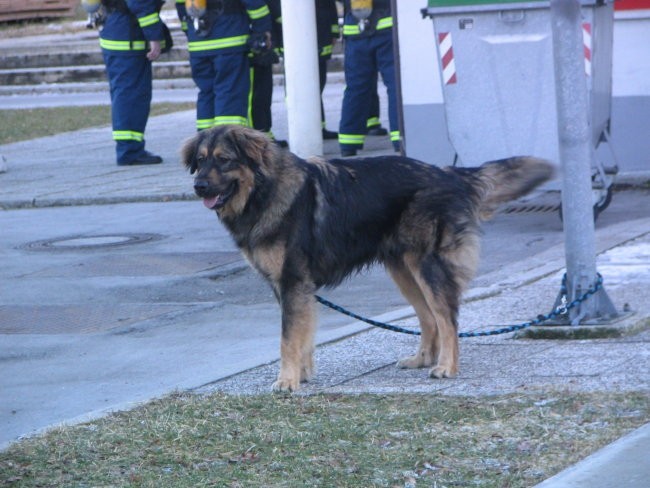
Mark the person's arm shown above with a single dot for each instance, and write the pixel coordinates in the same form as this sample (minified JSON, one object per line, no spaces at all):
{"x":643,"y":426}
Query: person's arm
{"x":181,"y":11}
{"x":259,"y":15}
{"x":146,"y":12}
{"x":154,"y":50}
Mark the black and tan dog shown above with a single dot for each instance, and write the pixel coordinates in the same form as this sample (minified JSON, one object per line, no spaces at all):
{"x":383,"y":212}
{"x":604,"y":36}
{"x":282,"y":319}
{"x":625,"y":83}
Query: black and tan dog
{"x":304,"y":224}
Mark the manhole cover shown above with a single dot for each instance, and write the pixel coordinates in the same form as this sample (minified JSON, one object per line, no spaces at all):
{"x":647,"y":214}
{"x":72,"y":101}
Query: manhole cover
{"x":90,"y":242}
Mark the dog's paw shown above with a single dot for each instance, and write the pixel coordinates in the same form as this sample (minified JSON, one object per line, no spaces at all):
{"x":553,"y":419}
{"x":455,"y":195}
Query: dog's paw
{"x":414,"y":362}
{"x":306,"y":374}
{"x":307,"y":368}
{"x":284,"y":385}
{"x":442,"y":371}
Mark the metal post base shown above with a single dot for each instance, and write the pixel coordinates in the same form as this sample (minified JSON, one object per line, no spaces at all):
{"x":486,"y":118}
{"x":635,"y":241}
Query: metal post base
{"x":624,"y":324}
{"x":596,"y":309}
{"x":593,"y":317}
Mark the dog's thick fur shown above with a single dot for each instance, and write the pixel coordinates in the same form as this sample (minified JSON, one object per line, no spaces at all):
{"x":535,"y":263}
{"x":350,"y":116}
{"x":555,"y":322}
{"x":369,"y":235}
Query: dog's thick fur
{"x":304,"y":224}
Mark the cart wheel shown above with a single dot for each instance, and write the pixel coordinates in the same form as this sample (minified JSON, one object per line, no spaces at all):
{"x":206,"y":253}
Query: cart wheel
{"x":599,"y":206}
{"x":603,"y":203}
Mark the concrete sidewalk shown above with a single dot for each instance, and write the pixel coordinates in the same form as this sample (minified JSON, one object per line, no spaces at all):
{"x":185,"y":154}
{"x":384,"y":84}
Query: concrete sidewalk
{"x":79,"y":168}
{"x":91,"y":323}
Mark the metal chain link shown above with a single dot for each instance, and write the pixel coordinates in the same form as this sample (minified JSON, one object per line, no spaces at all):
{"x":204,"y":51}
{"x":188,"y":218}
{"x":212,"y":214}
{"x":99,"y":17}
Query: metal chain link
{"x":560,"y":310}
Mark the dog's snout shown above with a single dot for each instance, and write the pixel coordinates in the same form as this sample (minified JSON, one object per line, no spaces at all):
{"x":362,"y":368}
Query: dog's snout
{"x":200,"y":186}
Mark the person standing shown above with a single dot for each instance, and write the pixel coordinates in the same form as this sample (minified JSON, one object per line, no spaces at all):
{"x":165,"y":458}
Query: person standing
{"x":368,"y":40}
{"x":262,"y":62}
{"x":219,"y":37}
{"x":327,"y":32}
{"x":131,"y":38}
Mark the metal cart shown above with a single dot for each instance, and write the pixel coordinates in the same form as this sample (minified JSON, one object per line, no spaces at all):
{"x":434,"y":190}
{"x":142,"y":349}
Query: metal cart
{"x":496,"y":62}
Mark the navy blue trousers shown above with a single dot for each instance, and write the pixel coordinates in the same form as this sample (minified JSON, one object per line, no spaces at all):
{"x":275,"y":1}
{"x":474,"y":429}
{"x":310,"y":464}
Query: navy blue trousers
{"x":261,"y":114}
{"x":364,"y":57}
{"x":129,"y":78}
{"x":224,"y":82}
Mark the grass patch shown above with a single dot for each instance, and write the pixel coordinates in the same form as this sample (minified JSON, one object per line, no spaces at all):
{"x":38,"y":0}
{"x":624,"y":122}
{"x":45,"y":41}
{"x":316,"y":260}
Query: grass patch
{"x":404,"y":440}
{"x":58,"y":25}
{"x":23,"y":124}
{"x":37,"y":27}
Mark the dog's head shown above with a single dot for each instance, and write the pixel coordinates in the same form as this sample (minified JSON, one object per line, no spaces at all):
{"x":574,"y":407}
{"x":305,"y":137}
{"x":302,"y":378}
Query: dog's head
{"x":227,"y":161}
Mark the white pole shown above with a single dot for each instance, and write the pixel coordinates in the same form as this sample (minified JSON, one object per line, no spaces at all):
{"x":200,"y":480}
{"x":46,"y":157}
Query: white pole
{"x":301,"y":77}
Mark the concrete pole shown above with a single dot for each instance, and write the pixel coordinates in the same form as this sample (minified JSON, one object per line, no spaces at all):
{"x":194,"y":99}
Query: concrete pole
{"x":301,"y":75}
{"x":576,"y":155}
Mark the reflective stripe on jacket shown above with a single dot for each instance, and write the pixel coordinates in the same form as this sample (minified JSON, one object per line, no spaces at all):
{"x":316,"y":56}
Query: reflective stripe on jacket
{"x":126,"y":31}
{"x":380,"y":20}
{"x":228,"y":32}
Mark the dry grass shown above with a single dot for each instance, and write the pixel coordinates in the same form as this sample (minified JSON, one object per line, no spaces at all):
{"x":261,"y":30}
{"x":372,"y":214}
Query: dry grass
{"x":407,"y":441}
{"x":35,"y":27}
{"x":64,"y":25}
{"x":23,"y":124}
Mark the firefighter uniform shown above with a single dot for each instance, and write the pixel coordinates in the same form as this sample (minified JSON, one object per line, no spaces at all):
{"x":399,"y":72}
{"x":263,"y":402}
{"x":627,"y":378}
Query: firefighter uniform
{"x":218,"y":47}
{"x":368,"y":50}
{"x":128,"y":25}
{"x":373,"y":125}
{"x":261,"y":117}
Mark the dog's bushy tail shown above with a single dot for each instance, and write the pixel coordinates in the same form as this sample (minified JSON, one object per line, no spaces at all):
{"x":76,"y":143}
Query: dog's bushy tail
{"x":508,"y":179}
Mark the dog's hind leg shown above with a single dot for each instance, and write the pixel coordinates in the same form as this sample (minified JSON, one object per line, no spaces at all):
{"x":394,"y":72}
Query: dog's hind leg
{"x":297,"y":344}
{"x":447,"y":365}
{"x":428,"y":349}
{"x":441,"y":294}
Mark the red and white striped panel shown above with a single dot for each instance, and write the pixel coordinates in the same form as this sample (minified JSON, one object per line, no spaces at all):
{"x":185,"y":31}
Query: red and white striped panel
{"x":447,"y":58}
{"x":632,"y":4}
{"x":586,"y":41}
{"x":449,"y":66}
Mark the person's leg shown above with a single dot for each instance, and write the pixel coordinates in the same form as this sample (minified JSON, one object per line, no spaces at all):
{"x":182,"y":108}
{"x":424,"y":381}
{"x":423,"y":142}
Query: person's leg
{"x":130,"y":84}
{"x":231,"y":89}
{"x":203,"y":74}
{"x":386,"y":66}
{"x":322,"y":75}
{"x":374,"y":124}
{"x":359,"y":68}
{"x":262,"y":97}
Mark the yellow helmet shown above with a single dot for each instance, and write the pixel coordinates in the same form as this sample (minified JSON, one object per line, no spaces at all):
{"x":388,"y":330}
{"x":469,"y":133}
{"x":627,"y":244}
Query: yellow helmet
{"x":91,"y":6}
{"x":196,"y":8}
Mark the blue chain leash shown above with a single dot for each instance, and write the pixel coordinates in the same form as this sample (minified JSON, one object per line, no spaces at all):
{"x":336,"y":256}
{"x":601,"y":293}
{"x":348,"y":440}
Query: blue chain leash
{"x":561,"y":310}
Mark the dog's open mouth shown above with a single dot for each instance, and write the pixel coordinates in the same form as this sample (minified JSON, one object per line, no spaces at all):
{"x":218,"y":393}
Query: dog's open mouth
{"x":218,"y":201}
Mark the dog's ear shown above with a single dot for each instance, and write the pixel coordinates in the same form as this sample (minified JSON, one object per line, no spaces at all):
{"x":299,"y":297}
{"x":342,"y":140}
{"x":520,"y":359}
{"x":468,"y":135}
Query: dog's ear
{"x":251,"y":144}
{"x":188,"y":153}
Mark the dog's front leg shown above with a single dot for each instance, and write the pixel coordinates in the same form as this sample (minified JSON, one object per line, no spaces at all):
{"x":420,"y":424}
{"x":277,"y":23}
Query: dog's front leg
{"x":297,"y":346}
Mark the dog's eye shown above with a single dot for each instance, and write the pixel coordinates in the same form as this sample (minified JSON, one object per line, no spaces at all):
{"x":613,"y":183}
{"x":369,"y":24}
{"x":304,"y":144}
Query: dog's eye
{"x":225,"y":164}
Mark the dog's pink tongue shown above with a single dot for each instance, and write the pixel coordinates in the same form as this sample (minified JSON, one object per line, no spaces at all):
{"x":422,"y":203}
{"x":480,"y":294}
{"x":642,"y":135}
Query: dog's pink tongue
{"x":210,"y":202}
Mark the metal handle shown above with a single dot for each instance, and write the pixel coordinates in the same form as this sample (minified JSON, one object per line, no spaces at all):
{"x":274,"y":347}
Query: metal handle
{"x":512,"y":16}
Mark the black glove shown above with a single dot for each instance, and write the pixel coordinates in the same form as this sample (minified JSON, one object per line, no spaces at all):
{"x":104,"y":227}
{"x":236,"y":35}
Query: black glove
{"x":261,"y":50}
